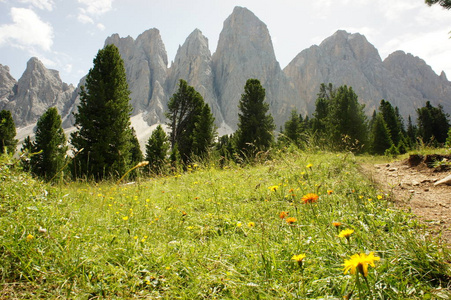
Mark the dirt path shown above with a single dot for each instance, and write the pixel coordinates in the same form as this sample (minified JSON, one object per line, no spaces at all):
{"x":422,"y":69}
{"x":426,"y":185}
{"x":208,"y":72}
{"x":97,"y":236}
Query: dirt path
{"x":412,"y":187}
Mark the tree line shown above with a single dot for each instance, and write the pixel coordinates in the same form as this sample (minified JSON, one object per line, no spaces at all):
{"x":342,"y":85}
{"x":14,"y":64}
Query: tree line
{"x":105,"y":145}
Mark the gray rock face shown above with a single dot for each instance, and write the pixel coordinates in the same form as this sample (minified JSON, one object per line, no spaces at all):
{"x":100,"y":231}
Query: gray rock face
{"x":245,"y":51}
{"x":7,"y":84}
{"x":38,"y":89}
{"x":194,"y":65}
{"x":145,"y":61}
{"x":343,"y":58}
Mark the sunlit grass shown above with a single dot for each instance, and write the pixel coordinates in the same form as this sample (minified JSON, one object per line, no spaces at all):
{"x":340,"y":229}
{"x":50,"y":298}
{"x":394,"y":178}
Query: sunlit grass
{"x":215,"y":233}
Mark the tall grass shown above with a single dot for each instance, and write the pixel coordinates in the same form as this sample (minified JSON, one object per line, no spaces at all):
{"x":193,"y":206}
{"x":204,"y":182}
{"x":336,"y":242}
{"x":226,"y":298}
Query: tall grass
{"x":214,"y":233}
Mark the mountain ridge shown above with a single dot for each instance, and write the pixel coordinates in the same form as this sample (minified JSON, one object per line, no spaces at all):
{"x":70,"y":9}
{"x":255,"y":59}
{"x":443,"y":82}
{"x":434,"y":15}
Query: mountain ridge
{"x":244,"y":51}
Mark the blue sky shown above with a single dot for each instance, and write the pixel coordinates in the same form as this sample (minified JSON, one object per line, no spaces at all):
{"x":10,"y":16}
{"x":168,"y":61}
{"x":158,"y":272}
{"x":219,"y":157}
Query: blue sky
{"x":66,"y":34}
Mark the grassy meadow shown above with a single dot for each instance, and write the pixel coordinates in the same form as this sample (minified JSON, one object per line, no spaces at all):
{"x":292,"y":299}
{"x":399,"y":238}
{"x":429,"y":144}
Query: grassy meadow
{"x":217,"y":233}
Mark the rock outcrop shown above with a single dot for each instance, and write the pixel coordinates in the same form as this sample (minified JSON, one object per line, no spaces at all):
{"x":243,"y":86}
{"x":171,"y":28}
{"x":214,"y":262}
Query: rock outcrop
{"x":37,"y":90}
{"x":245,"y":51}
{"x":7,"y":86}
{"x":193,"y":64}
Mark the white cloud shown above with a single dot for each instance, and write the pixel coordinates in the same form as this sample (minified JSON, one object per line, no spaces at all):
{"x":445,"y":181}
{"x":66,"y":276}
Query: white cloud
{"x":85,"y":19}
{"x":27,"y":30}
{"x":41,"y":4}
{"x":97,"y":7}
{"x":101,"y":26}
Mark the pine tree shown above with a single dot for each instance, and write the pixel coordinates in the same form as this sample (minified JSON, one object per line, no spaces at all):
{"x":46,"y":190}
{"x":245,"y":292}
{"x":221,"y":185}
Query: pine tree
{"x":380,"y":136}
{"x":255,"y":125}
{"x":411,"y":133}
{"x":7,"y":132}
{"x":325,"y":95}
{"x":433,"y":123}
{"x":346,"y":121}
{"x":204,"y":133}
{"x":185,"y":110}
{"x":135,"y":151}
{"x":293,"y":128}
{"x":157,"y":148}
{"x":392,"y":120}
{"x":49,"y":145}
{"x":103,"y":119}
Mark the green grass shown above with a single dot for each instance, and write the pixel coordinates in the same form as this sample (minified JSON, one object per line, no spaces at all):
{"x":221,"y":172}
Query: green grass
{"x":214,"y":234}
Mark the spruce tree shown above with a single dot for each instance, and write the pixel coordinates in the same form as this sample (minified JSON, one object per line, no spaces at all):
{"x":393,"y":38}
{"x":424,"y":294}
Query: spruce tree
{"x":433,"y":123}
{"x":49,"y":145}
{"x":392,"y":120}
{"x":255,"y":125}
{"x":185,"y":110}
{"x":157,"y":148}
{"x":7,"y":132}
{"x":293,"y":128}
{"x":380,"y":136}
{"x":411,"y":133}
{"x":204,"y":133}
{"x":346,"y":121}
{"x":103,"y":119}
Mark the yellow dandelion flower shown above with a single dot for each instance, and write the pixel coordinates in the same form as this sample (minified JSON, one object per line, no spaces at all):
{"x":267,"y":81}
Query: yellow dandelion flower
{"x":273,"y":188}
{"x":360,"y":263}
{"x":346,"y":233}
{"x":298,"y":258}
{"x":125,"y":218}
{"x":310,"y":198}
{"x":329,"y":192}
{"x":30,"y":237}
{"x":309,"y":166}
{"x":379,"y":197}
{"x":251,"y":224}
{"x":291,"y":220}
{"x":239,"y":224}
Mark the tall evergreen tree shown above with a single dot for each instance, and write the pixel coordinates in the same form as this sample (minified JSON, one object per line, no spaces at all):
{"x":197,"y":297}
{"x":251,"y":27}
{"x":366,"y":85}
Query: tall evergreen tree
{"x":412,"y":132}
{"x":325,"y":95}
{"x":204,"y":132}
{"x":433,"y":123}
{"x":103,"y":119}
{"x":185,"y":110}
{"x":346,"y":120}
{"x":7,"y":132}
{"x":380,"y":136}
{"x":293,"y":128}
{"x":255,"y":125}
{"x":49,"y":145}
{"x":392,"y":120}
{"x":157,"y":148}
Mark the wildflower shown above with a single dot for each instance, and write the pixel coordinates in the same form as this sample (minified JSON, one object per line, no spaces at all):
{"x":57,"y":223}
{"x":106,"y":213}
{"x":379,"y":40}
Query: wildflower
{"x":125,"y":218}
{"x":184,"y":214}
{"x":336,"y":224}
{"x":30,"y":237}
{"x":310,"y":198}
{"x":273,"y":188}
{"x":251,"y":224}
{"x":283,"y":214}
{"x":298,"y":258}
{"x":309,"y":166}
{"x":239,"y":224}
{"x":291,"y":220}
{"x":379,"y":197}
{"x":330,"y":192}
{"x":346,"y":233}
{"x":360,"y":262}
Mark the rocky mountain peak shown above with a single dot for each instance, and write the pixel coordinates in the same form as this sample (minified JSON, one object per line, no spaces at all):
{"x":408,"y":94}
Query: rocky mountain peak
{"x":7,"y":84}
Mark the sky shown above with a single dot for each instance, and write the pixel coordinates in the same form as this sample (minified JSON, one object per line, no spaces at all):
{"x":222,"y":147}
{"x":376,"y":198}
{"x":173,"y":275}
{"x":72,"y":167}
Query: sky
{"x":66,"y":34}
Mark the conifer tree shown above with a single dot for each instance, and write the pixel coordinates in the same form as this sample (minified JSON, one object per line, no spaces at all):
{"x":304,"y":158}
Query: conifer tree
{"x":325,"y":95}
{"x":411,"y":133}
{"x":255,"y":125}
{"x":293,"y":128}
{"x":346,"y":120}
{"x":380,"y":136}
{"x":103,"y":119}
{"x":49,"y":145}
{"x":204,"y":133}
{"x":392,"y":120}
{"x":135,"y":151}
{"x":186,"y":110}
{"x":433,"y":123}
{"x":7,"y":132}
{"x":157,"y":148}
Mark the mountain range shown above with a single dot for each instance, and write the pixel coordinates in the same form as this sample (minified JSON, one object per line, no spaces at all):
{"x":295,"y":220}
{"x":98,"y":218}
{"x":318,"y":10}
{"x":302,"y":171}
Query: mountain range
{"x":244,"y":51}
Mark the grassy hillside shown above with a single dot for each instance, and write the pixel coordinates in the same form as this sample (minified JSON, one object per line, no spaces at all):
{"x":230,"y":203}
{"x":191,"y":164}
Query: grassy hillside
{"x":211,"y":233}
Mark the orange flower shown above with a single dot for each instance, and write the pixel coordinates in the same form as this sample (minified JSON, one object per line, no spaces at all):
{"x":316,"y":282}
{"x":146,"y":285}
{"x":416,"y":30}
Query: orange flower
{"x":310,"y":198}
{"x":337,"y":224}
{"x":291,"y":220}
{"x":329,"y":192}
{"x":283,"y":214}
